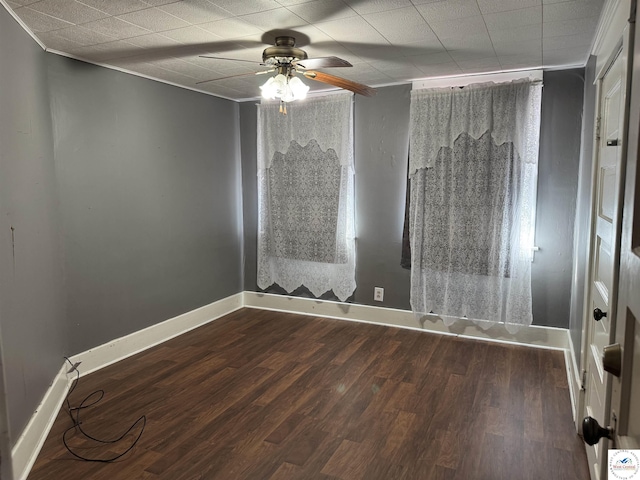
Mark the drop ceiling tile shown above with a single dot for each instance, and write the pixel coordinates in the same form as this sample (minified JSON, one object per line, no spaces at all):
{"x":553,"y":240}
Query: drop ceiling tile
{"x":423,"y":61}
{"x":153,"y":19}
{"x":158,"y":3}
{"x":364,"y":7}
{"x":106,"y":51}
{"x":217,"y":79}
{"x":221,"y":91}
{"x":371,"y":78}
{"x":116,"y":7}
{"x":160,"y":73}
{"x":250,"y":87}
{"x":462,"y":42}
{"x":288,"y":3}
{"x":448,"y":10}
{"x":475,"y":70}
{"x":153,"y":40}
{"x":517,"y":48}
{"x":472,"y":54}
{"x":565,"y":56}
{"x":347,"y":29}
{"x":403,"y":25}
{"x":569,"y":27}
{"x":404,"y":73}
{"x":323,"y":10}
{"x":191,"y":35}
{"x":84,"y":36}
{"x":568,"y":41}
{"x":69,"y":11}
{"x":388,"y":64}
{"x":243,"y":8}
{"x":468,"y":26}
{"x":116,"y":28}
{"x":480,"y":64}
{"x":238,"y":85}
{"x":196,"y":11}
{"x":520,"y":61}
{"x":230,"y":28}
{"x":441,"y":70}
{"x":493,"y":6}
{"x":514,"y":18}
{"x":571,"y":10}
{"x":532,"y":33}
{"x":420,"y":48}
{"x":222,"y":67}
{"x":54,"y":41}
{"x":373,"y":53}
{"x":175,"y":65}
{"x":40,"y":22}
{"x":151,"y":70}
{"x":280,"y":18}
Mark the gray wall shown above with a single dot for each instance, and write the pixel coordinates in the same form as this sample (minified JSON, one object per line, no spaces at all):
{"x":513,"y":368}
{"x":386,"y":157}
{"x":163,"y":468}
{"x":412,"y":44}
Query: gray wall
{"x":248,"y":122}
{"x":381,"y":148}
{"x":125,"y":200}
{"x":381,"y":156}
{"x":150,"y":199}
{"x":583,"y":210}
{"x":560,"y":142}
{"x":32,"y":284}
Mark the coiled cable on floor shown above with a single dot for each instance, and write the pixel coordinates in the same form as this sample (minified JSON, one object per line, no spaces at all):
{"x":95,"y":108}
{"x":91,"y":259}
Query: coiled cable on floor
{"x":74,"y":414}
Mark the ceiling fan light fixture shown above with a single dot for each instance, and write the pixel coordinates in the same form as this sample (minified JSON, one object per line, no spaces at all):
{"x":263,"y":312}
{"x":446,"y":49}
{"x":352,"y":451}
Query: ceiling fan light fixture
{"x":298,"y":88}
{"x":287,"y":89}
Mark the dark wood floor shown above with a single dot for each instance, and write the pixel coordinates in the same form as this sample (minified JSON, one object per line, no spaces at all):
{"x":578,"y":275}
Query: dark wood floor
{"x":263,"y":395}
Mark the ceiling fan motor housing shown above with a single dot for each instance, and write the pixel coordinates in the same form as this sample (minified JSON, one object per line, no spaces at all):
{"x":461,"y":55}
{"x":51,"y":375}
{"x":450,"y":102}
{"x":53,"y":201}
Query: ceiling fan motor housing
{"x":284,"y":51}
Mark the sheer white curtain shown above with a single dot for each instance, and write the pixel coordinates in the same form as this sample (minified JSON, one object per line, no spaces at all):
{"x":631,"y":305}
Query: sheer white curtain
{"x":306,"y":231}
{"x":473,"y":174}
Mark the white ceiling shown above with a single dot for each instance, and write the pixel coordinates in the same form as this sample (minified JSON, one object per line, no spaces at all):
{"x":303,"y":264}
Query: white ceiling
{"x":387,"y":41}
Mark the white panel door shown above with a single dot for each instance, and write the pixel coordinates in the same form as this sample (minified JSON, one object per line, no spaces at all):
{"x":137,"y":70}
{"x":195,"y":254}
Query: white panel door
{"x":625,"y":398}
{"x":604,"y":254}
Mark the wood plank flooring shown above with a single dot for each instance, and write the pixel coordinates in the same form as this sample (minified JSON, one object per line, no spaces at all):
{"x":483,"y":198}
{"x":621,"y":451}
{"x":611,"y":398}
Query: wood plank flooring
{"x":261,"y":395}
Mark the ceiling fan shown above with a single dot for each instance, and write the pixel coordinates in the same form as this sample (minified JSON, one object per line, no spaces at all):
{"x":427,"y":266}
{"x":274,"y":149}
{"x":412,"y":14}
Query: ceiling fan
{"x":287,"y":62}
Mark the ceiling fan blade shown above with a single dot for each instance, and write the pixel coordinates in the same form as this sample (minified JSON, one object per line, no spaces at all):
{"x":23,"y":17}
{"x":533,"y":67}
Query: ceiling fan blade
{"x":234,"y":76}
{"x":233,"y":59}
{"x":355,"y":87}
{"x":322,"y":62}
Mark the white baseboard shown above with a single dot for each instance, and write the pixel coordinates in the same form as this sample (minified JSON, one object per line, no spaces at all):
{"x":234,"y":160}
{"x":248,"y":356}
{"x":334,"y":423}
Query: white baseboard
{"x":136,"y":342}
{"x":533,"y":336}
{"x":27,"y":448}
{"x":574,"y":378}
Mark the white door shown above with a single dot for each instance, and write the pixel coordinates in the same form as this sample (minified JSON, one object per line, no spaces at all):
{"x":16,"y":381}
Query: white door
{"x":604,"y":252}
{"x":625,"y":399}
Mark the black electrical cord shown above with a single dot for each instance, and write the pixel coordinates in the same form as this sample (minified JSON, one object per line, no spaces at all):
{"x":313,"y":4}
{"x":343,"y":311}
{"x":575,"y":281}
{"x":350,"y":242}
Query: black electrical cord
{"x":74,"y":413}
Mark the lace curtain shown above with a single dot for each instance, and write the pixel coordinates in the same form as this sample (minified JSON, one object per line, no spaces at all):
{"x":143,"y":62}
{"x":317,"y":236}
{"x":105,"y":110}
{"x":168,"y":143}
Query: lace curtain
{"x":306,"y":231}
{"x":473,"y":173}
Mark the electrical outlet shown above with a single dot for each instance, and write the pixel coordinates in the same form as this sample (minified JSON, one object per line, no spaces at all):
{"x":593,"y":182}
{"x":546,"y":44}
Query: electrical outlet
{"x":378,"y":294}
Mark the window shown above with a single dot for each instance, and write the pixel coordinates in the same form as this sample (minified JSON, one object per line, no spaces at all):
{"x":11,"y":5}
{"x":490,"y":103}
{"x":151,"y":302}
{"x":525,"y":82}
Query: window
{"x":473,"y":170}
{"x":306,"y":231}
